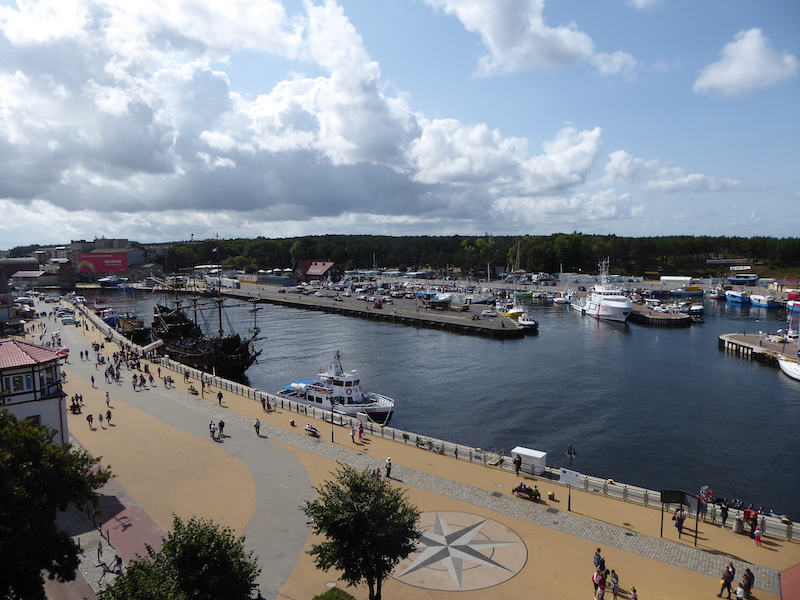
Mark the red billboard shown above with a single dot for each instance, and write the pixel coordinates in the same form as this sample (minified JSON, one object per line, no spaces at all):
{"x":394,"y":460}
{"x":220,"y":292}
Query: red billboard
{"x":112,"y":262}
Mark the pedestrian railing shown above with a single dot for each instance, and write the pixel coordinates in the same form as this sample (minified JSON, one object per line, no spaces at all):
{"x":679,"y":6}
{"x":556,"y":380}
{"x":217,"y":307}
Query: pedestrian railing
{"x":771,"y":526}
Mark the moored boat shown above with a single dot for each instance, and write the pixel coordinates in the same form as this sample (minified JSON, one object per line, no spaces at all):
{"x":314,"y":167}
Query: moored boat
{"x":687,"y":291}
{"x":793,"y":306}
{"x":527,"y":322}
{"x":715,"y":293}
{"x":605,"y":301}
{"x":737,"y":297}
{"x":790,"y":367}
{"x":764,"y":300}
{"x":340,"y":391}
{"x":184,"y":341}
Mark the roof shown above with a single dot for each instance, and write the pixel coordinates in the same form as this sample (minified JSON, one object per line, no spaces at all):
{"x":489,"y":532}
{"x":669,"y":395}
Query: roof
{"x":28,"y":274}
{"x":315,"y":267}
{"x":14,"y":353}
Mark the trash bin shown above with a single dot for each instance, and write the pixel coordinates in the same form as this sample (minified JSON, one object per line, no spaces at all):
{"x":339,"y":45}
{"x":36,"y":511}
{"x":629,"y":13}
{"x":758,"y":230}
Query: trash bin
{"x":738,"y":525}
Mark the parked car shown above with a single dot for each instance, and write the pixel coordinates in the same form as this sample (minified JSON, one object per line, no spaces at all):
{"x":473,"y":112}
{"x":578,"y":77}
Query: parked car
{"x":346,"y":294}
{"x":69,"y":321}
{"x":361,"y":298}
{"x":281,"y":291}
{"x":338,"y":299}
{"x":488,"y":313}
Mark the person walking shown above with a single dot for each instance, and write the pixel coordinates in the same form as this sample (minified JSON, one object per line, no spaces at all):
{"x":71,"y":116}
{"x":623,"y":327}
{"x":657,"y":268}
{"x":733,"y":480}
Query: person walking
{"x":108,"y":400}
{"x":219,"y":397}
{"x":517,"y":464}
{"x":353,"y":434}
{"x":100,"y":418}
{"x":211,"y":428}
{"x":389,"y":468}
{"x":92,"y":380}
{"x":263,"y":404}
{"x":108,"y":417}
{"x":725,"y":582}
{"x":360,"y":432}
{"x":214,"y":431}
{"x":257,"y":427}
{"x":723,"y":511}
{"x":90,"y":421}
{"x":634,"y":595}
{"x":221,"y":428}
{"x":597,"y":558}
{"x":748,"y":581}
{"x":614,"y":584}
{"x":757,"y":535}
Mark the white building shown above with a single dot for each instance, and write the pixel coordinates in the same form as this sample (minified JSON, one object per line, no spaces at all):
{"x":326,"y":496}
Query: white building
{"x":30,"y":376}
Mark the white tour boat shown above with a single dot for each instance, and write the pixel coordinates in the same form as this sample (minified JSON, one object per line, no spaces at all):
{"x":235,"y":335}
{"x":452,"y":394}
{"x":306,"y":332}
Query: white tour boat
{"x":341,"y":392}
{"x":605,"y":301}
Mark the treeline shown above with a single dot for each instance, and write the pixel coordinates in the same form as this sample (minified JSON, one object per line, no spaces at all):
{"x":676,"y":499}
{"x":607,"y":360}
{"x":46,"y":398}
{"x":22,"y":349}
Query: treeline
{"x":674,"y":255}
{"x":575,"y":252}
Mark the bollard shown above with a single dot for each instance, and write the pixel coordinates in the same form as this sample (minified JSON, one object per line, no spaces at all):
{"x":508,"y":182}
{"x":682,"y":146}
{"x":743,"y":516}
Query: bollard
{"x":551,"y":495}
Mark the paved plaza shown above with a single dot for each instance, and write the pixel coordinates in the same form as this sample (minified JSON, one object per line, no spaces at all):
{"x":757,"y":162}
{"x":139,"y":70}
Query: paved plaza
{"x":479,"y":541}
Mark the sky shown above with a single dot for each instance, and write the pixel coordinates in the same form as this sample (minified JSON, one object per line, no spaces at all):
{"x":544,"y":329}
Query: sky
{"x":191,"y":119}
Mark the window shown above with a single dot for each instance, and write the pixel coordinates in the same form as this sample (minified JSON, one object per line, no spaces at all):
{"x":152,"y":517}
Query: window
{"x":18,"y":383}
{"x":339,"y":382}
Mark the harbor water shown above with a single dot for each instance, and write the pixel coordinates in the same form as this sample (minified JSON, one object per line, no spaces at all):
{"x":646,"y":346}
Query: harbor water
{"x":651,"y":407}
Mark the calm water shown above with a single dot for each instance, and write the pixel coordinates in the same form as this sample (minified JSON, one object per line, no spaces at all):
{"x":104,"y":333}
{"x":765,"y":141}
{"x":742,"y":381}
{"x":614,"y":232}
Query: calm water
{"x":657,"y":408}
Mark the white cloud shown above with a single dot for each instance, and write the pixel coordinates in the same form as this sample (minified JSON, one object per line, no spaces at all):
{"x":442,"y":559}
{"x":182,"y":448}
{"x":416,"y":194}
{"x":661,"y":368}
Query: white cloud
{"x":626,"y":168}
{"x":672,"y":181}
{"x":618,"y":63}
{"x":747,"y":64}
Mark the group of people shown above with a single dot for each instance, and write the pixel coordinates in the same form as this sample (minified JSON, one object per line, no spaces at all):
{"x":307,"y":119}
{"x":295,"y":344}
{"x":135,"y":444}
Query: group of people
{"x":743,"y":589}
{"x":216,"y":430}
{"x":604,"y":579}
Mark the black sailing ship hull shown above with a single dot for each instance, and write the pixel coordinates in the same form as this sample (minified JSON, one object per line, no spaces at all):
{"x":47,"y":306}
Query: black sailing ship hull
{"x":226,"y":356}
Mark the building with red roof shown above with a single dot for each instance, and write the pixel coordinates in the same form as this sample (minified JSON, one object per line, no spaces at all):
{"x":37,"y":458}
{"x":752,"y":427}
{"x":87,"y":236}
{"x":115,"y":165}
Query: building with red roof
{"x":30,"y":379}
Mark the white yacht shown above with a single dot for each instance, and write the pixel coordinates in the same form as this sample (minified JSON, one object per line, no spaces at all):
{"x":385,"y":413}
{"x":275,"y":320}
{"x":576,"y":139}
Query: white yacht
{"x":605,"y":301}
{"x":340,"y":392}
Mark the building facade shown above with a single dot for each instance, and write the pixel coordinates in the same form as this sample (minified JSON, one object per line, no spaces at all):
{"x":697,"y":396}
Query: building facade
{"x":30,"y":379}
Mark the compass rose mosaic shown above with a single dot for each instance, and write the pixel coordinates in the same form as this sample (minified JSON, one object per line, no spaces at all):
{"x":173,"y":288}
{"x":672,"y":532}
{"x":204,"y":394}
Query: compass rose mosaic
{"x":461,"y":552}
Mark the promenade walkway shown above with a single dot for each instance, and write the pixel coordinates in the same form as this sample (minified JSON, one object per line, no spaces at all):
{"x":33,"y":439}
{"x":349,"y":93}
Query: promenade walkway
{"x":166,"y":463}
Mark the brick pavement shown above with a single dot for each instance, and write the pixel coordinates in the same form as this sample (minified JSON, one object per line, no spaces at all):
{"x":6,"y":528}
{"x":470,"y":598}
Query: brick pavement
{"x":436,"y":482}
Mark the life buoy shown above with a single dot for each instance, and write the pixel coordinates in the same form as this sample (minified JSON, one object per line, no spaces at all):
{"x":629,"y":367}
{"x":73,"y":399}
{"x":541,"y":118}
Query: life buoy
{"x":349,"y":391}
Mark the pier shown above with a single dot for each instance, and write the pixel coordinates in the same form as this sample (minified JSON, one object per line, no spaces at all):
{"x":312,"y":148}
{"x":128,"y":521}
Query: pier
{"x":643,"y":315}
{"x":401,"y":311}
{"x":760,"y":347}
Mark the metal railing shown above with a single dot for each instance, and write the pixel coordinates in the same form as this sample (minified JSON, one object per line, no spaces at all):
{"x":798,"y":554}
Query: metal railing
{"x":771,"y":526}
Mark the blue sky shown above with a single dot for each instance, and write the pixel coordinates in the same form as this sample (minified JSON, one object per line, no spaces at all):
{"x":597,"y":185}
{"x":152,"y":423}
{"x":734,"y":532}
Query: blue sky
{"x":157,"y":121}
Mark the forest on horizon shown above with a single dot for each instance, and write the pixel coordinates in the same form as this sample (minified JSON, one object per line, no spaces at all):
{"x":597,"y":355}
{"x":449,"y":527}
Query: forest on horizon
{"x":571,"y":252}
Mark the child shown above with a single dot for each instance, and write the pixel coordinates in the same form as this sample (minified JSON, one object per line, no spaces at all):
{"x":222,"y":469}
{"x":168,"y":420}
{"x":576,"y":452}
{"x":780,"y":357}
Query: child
{"x":634,"y":595}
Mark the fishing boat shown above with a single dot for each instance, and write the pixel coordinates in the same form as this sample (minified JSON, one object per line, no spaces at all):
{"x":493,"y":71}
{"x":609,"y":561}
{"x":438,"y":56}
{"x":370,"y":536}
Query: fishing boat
{"x":764,"y":300}
{"x":526,"y":321}
{"x":715,"y":293}
{"x":793,"y":306}
{"x":737,"y":296}
{"x":687,"y":291}
{"x":340,"y":391}
{"x":227,"y":355}
{"x":605,"y":301}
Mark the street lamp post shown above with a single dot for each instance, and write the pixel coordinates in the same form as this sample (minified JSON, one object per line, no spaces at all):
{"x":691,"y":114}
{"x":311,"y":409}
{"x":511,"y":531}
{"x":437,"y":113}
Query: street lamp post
{"x":572,"y":454}
{"x":333,"y":405}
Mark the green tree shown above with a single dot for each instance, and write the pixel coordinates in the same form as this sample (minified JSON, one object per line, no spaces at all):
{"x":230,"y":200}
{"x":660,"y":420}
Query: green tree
{"x":370,"y":527}
{"x":39,"y":479}
{"x":198,"y":560}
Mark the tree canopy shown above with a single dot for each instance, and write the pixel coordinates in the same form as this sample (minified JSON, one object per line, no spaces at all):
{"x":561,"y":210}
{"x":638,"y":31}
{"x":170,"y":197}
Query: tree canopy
{"x":369,"y":527}
{"x":38,"y":479}
{"x":198,"y":560}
